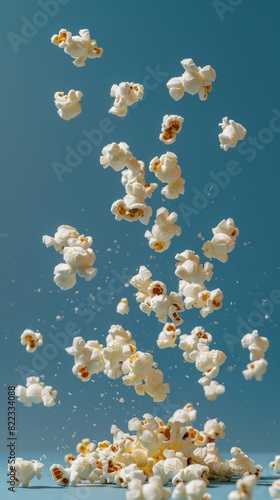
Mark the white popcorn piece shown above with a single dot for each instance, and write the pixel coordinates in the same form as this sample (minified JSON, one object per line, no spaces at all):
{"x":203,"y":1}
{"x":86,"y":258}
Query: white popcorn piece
{"x":163,"y":230}
{"x":78,"y":47}
{"x":129,"y":473}
{"x":211,"y":301}
{"x":275,"y":464}
{"x":123,"y":307}
{"x":88,"y":358}
{"x":274,"y":489}
{"x":190,"y":343}
{"x":85,"y":446}
{"x":245,"y":487}
{"x":213,"y":390}
{"x":125,"y":95}
{"x":141,"y":281}
{"x":256,"y":369}
{"x":167,"y":337}
{"x":189,"y":269}
{"x":166,"y":168}
{"x":154,"y":386}
{"x":191,"y":472}
{"x":257,"y":345}
{"x":35,"y":392}
{"x":119,"y":156}
{"x":195,"y":489}
{"x":232,"y":132}
{"x":185,"y":415}
{"x":151,"y":490}
{"x":223,"y":241}
{"x":195,"y":80}
{"x":214,"y":429}
{"x":61,"y":237}
{"x":173,"y":190}
{"x":207,"y":361}
{"x":131,"y":208}
{"x":25,"y":470}
{"x":31,"y":339}
{"x":243,"y":466}
{"x":68,"y":105}
{"x":170,"y":127}
{"x":170,"y":466}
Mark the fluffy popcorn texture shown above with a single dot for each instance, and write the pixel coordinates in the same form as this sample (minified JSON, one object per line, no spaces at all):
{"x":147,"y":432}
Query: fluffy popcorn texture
{"x":213,"y":390}
{"x":232,"y":132}
{"x":88,"y":358}
{"x":189,"y":269}
{"x":275,"y":464}
{"x":195,"y":489}
{"x":125,"y":95}
{"x":223,"y":241}
{"x":79,"y":47}
{"x":191,"y":472}
{"x":245,"y":488}
{"x":257,"y":345}
{"x":214,"y":429}
{"x":274,"y":489}
{"x":163,"y":230}
{"x":61,"y":237}
{"x":256,"y":370}
{"x":241,"y":465}
{"x":199,"y":297}
{"x":123,"y":307}
{"x":129,"y":473}
{"x":167,"y":170}
{"x":119,"y":156}
{"x":167,"y":337}
{"x":190,"y":343}
{"x":170,"y":127}
{"x":25,"y":471}
{"x":195,"y":80}
{"x":68,"y":105}
{"x":31,"y":339}
{"x":35,"y":392}
{"x":131,"y":208}
{"x":153,"y":490}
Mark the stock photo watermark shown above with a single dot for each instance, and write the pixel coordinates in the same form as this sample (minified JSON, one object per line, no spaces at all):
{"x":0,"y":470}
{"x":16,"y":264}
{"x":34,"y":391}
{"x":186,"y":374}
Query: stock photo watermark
{"x":30,"y":27}
{"x":223,"y":7}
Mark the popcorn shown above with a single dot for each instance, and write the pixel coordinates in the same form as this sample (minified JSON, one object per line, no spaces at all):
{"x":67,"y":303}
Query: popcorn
{"x":61,"y":237}
{"x":123,"y":307}
{"x":68,"y":105}
{"x":79,"y":47}
{"x":129,"y":473}
{"x":214,"y":429}
{"x":152,"y":490}
{"x":170,"y":466}
{"x":213,"y":390}
{"x":191,"y":472}
{"x":131,"y":208}
{"x":141,"y":281}
{"x":257,"y":345}
{"x":243,"y":466}
{"x":170,"y":127}
{"x":167,"y":337}
{"x":119,"y":156}
{"x":185,"y":415}
{"x":208,"y":361}
{"x":88,"y":356}
{"x":245,"y":488}
{"x":275,"y":464}
{"x":195,"y":489}
{"x":256,"y":369}
{"x":274,"y":489}
{"x":25,"y":470}
{"x":223,"y":241}
{"x":125,"y":95}
{"x":165,"y":168}
{"x":195,"y":80}
{"x":31,"y":339}
{"x":154,"y":386}
{"x":189,"y":269}
{"x":190,"y":343}
{"x":163,"y":230}
{"x":198,"y":296}
{"x":232,"y":132}
{"x":35,"y":392}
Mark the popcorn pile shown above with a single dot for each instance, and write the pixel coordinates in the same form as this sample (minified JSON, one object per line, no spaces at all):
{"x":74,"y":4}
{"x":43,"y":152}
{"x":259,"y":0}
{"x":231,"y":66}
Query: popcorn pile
{"x":163,"y":230}
{"x":257,"y":347}
{"x":77,"y":255}
{"x":79,"y":47}
{"x":223,"y":241}
{"x":31,"y":339}
{"x":170,"y":127}
{"x":231,"y":134}
{"x":68,"y":105}
{"x":119,"y":358}
{"x":194,"y":80}
{"x":125,"y":95}
{"x":35,"y":392}
{"x":166,"y":170}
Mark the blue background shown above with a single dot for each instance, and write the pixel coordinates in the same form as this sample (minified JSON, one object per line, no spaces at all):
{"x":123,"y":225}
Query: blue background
{"x":242,"y":45}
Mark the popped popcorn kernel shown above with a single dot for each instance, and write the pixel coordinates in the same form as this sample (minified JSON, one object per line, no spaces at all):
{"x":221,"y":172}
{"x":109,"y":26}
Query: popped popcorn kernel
{"x":163,"y":230}
{"x":123,"y":307}
{"x":125,"y":95}
{"x":68,"y":105}
{"x":232,"y":132}
{"x":275,"y":464}
{"x":223,"y":241}
{"x":79,"y":47}
{"x":25,"y":471}
{"x":195,"y":80}
{"x":274,"y":489}
{"x":35,"y":392}
{"x":31,"y":339}
{"x":170,"y":127}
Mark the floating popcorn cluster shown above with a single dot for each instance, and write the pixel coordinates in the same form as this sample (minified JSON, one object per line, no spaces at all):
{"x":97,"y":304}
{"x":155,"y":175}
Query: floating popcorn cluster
{"x":31,"y":339}
{"x":77,"y":255}
{"x":79,"y":47}
{"x":163,"y":230}
{"x":257,"y":347}
{"x":223,"y":241}
{"x":194,"y":80}
{"x":170,"y":127}
{"x":68,"y":105}
{"x":199,"y":297}
{"x":232,"y":132}
{"x":125,"y":95}
{"x":168,"y":171}
{"x":25,"y":470}
{"x":35,"y":392}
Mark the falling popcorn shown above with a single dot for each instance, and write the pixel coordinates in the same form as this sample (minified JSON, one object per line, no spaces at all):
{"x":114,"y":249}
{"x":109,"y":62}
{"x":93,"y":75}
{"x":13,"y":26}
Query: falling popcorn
{"x":35,"y":392}
{"x":31,"y":339}
{"x":256,"y":345}
{"x":189,"y":269}
{"x":223,"y":241}
{"x":131,"y":208}
{"x":119,"y":156}
{"x":25,"y":470}
{"x":231,"y":134}
{"x":275,"y":464}
{"x":125,"y":95}
{"x":195,"y":80}
{"x":256,"y":370}
{"x":168,"y":336}
{"x":79,"y":47}
{"x":213,"y":390}
{"x":123,"y":307}
{"x":163,"y":230}
{"x":190,"y":343}
{"x":170,"y":127}
{"x":242,"y":465}
{"x":61,"y":237}
{"x":167,"y":170}
{"x":68,"y":105}
{"x":199,"y":297}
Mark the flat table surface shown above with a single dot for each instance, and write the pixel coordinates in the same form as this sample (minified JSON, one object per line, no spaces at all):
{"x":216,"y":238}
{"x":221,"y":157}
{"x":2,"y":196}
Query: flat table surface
{"x":45,"y":488}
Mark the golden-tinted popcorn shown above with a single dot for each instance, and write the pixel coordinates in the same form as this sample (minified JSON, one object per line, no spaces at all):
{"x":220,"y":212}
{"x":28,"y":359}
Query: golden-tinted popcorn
{"x":232,"y":132}
{"x":35,"y":392}
{"x":25,"y":470}
{"x":31,"y":339}
{"x":243,"y":466}
{"x":122,"y":306}
{"x":163,"y":230}
{"x":131,"y":208}
{"x":190,"y":343}
{"x":79,"y":47}
{"x":125,"y":95}
{"x":170,"y":127}
{"x":223,"y":241}
{"x":88,"y":358}
{"x":195,"y":80}
{"x":167,"y":337}
{"x":68,"y":105}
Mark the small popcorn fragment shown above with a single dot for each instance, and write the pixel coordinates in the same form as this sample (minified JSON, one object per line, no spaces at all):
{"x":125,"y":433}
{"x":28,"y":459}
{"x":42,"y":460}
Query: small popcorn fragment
{"x":68,"y":105}
{"x":35,"y":392}
{"x":151,"y":490}
{"x":245,"y":487}
{"x":167,"y":170}
{"x":223,"y":241}
{"x":257,"y":345}
{"x":196,"y":488}
{"x":274,"y":489}
{"x":125,"y":95}
{"x":232,"y":133}
{"x":256,"y":369}
{"x":119,"y":156}
{"x":170,"y":127}
{"x":275,"y":464}
{"x":31,"y":339}
{"x":195,"y":80}
{"x":25,"y":470}
{"x":78,"y":47}
{"x":163,"y":230}
{"x":167,"y":337}
{"x":189,"y":269}
{"x":122,"y":306}
{"x":213,"y":390}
